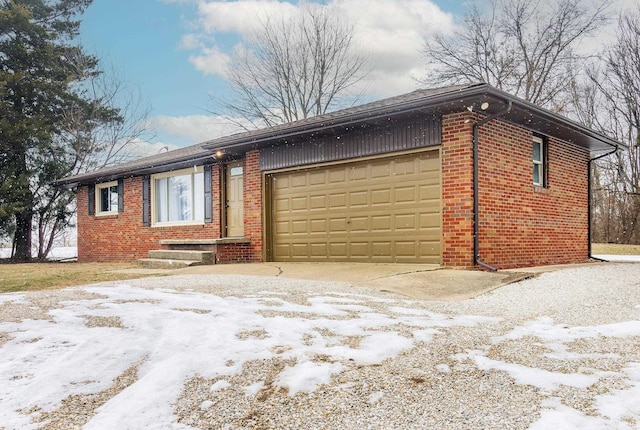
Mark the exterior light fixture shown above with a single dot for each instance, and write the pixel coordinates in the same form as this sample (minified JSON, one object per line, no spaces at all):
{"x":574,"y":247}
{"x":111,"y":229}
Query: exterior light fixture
{"x":484,"y":106}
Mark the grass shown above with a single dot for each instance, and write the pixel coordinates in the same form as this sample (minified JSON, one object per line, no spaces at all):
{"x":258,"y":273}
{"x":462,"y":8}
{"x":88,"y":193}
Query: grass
{"x":614,"y":249}
{"x":47,"y":276}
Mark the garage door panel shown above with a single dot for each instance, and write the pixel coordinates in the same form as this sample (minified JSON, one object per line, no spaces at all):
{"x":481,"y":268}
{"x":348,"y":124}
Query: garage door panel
{"x":318,"y":225}
{"x":358,"y":198}
{"x":282,"y":205}
{"x":405,"y":167}
{"x":429,"y":192}
{"x":299,"y":250}
{"x":318,"y":202}
{"x":428,"y":222}
{"x":379,"y":170}
{"x":283,"y":250}
{"x":298,"y":181}
{"x":406,"y":248}
{"x":359,"y":224}
{"x":381,"y":196}
{"x":299,"y":226}
{"x":381,"y":248}
{"x":281,"y":183}
{"x":317,"y":178}
{"x":404,"y":222}
{"x":431,"y":177}
{"x":338,"y":200}
{"x":338,"y":225}
{"x":358,"y":173}
{"x":318,"y":250}
{"x":386,"y":209}
{"x":337,"y":175}
{"x":338,"y":250}
{"x":299,"y":203}
{"x":381,"y":223}
{"x":282,"y":227}
{"x":405,"y":194}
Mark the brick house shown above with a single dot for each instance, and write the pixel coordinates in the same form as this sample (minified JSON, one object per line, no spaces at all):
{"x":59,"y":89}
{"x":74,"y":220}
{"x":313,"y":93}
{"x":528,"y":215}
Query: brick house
{"x":462,"y":176}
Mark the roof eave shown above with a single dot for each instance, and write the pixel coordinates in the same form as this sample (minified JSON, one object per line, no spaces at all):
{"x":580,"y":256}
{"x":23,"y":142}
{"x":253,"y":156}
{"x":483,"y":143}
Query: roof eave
{"x":552,"y":124}
{"x":540,"y":120}
{"x":102,"y":176}
{"x":523,"y":113}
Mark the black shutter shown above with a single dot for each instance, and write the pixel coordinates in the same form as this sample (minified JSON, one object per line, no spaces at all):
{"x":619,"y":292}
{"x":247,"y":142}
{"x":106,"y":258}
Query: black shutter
{"x":208,"y":204}
{"x":91,"y":203}
{"x":146,"y":219}
{"x":120,"y":195}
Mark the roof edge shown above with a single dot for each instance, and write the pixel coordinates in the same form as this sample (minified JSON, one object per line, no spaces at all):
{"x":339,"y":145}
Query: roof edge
{"x":323,"y":122}
{"x":441,"y":100}
{"x":547,"y":114}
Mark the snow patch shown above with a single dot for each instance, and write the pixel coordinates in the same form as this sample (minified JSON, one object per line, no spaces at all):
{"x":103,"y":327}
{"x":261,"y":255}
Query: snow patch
{"x":172,"y":346}
{"x":307,"y":376}
{"x":219,"y":385}
{"x":375,"y":397}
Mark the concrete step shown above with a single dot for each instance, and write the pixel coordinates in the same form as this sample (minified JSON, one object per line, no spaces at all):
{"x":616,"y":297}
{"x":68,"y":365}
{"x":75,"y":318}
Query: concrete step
{"x":164,"y":263}
{"x":203,"y":257}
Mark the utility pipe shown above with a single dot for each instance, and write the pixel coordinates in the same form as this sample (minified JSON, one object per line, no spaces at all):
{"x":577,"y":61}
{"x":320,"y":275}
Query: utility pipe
{"x":476,"y":237}
{"x":589,"y":205}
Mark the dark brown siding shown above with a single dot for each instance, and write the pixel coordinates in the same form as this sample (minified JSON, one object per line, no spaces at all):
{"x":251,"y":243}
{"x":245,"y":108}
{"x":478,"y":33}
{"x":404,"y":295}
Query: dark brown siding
{"x":354,"y":143}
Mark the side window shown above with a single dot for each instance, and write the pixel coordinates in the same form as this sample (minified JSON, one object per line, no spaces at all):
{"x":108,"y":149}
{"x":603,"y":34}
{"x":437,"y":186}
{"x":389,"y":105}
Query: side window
{"x":106,"y":196}
{"x":539,"y":161}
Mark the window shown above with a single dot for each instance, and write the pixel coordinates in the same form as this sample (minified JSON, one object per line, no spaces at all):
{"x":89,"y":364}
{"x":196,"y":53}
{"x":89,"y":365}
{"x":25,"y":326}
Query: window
{"x":178,"y":197}
{"x":539,"y":149}
{"x":107,"y":198}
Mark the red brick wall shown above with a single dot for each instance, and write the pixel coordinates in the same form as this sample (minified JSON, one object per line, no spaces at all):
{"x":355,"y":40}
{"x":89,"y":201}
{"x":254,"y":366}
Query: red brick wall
{"x":519,"y":225}
{"x":457,"y":191}
{"x":253,"y":204}
{"x":122,"y":237}
{"x":234,"y":253}
{"x":522,"y":224}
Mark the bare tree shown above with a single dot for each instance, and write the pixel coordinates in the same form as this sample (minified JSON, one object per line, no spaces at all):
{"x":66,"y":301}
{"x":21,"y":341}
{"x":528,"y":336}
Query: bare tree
{"x":94,"y":144}
{"x":294,"y":68}
{"x":611,"y":102}
{"x":87,"y":142}
{"x":526,"y":47}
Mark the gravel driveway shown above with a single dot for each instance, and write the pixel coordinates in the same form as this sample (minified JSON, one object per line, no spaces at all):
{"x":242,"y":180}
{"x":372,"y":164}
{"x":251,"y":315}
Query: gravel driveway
{"x":559,"y":351}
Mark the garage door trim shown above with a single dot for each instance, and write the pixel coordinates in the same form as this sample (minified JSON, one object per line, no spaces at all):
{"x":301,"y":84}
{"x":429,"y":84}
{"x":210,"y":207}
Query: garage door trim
{"x":269,"y":231}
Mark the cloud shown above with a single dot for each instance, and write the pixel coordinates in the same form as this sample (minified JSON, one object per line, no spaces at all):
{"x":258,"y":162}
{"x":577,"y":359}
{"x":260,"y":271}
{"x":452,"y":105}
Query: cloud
{"x":390,"y":32}
{"x":242,"y":17}
{"x":140,"y":148}
{"x":190,"y":41}
{"x":211,"y":61}
{"x":195,"y":128}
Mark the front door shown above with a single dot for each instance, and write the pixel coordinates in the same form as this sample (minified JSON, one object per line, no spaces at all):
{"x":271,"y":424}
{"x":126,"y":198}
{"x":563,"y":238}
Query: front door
{"x":235,"y":201}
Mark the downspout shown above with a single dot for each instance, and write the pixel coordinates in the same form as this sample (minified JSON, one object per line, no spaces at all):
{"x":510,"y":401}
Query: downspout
{"x":589,"y":204}
{"x":476,"y":236}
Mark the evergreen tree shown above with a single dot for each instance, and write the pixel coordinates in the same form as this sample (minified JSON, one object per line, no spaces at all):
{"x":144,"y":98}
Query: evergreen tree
{"x":41,"y":75}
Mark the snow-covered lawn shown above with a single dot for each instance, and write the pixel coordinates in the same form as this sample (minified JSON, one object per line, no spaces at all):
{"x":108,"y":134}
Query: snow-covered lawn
{"x":193,"y":351}
{"x":619,"y":258}
{"x":57,"y":253}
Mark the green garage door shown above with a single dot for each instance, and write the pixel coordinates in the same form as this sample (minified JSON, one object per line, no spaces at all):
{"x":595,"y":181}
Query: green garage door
{"x":379,"y":210}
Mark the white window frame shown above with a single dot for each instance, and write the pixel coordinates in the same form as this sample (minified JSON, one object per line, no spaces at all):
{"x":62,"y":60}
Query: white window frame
{"x":154,"y":199}
{"x":113,"y":209}
{"x":539,"y":164}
